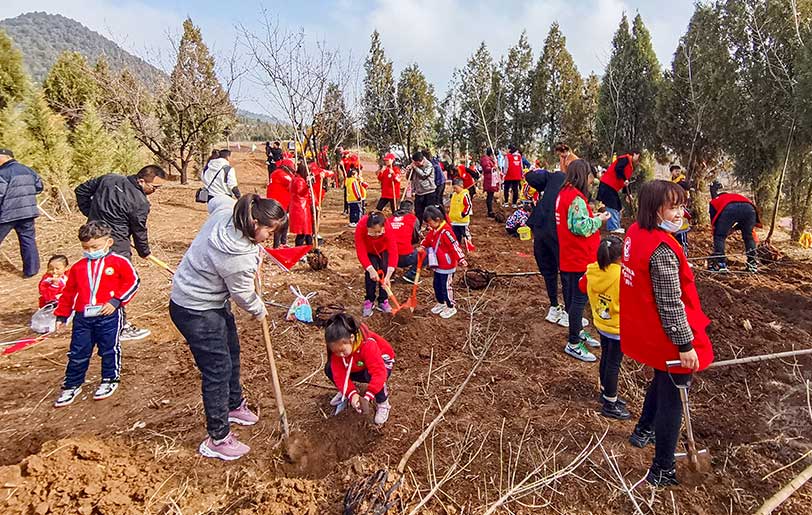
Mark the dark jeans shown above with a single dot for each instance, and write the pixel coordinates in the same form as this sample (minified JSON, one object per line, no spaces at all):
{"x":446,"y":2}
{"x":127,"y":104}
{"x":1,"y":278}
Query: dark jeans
{"x":438,"y":198}
{"x":609,"y":369}
{"x":682,"y":238}
{"x":355,"y":212}
{"x":512,"y":232}
{"x":373,"y":287}
{"x":362,"y":376}
{"x":421,"y":202}
{"x":215,"y":346}
{"x":662,"y":411}
{"x":303,"y":239}
{"x":461,"y":233}
{"x":26,"y":235}
{"x":383,"y":202}
{"x":489,"y":201}
{"x":88,"y":332}
{"x":545,"y":250}
{"x":511,"y":186}
{"x":443,"y":291}
{"x":741,"y":215}
{"x":575,"y":302}
{"x":346,"y":204}
{"x":408,"y":261}
{"x":280,"y":237}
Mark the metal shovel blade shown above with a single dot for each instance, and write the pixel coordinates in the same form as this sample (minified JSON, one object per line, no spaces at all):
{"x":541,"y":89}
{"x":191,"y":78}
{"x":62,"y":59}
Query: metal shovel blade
{"x":341,"y":407}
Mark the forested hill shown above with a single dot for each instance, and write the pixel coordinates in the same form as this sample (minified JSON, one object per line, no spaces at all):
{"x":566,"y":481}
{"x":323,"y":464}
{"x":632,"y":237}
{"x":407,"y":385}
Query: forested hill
{"x":42,"y":37}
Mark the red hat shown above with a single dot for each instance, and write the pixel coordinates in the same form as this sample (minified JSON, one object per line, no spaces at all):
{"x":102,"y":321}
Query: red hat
{"x":389,"y":157}
{"x":287,"y":163}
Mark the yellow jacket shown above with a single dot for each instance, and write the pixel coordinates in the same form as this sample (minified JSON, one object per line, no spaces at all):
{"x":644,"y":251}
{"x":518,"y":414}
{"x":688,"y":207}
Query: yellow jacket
{"x":354,"y":189}
{"x":460,"y":209}
{"x":603,"y":289}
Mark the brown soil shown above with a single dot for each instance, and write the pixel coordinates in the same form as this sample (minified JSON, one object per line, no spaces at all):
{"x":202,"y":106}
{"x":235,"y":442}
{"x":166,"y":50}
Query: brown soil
{"x":529,"y":405}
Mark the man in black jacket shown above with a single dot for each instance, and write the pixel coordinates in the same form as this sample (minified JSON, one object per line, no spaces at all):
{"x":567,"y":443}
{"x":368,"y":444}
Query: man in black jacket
{"x":121,"y":202}
{"x":19,"y":186}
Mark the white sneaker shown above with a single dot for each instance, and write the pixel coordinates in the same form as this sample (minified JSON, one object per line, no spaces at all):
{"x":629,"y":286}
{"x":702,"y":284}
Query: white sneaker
{"x":106,"y":388}
{"x":438,"y":308}
{"x":448,"y":312}
{"x":619,"y":230}
{"x":130,"y":333}
{"x":580,"y":351}
{"x":382,"y":413}
{"x":589,"y":340}
{"x":67,"y":396}
{"x":553,"y":314}
{"x":335,"y":401}
{"x":564,"y":320}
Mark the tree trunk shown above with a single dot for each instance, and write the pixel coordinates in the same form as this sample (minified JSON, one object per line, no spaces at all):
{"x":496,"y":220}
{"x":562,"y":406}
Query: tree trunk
{"x":184,"y":166}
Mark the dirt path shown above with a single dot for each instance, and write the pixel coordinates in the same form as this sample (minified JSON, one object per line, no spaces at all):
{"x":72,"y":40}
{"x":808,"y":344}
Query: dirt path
{"x":136,"y":452}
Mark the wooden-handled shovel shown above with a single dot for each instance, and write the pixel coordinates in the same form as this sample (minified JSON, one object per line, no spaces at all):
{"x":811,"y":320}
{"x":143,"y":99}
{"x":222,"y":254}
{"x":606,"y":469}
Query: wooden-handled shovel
{"x":277,"y":389}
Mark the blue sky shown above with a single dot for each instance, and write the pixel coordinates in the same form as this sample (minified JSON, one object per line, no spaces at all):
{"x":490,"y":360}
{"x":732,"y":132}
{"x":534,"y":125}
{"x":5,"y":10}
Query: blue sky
{"x":436,"y":34}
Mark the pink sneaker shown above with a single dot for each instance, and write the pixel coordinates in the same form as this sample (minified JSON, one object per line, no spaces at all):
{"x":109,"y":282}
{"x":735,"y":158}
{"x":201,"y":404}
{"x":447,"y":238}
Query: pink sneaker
{"x":228,"y":449}
{"x":367,"y":311}
{"x":385,"y":307}
{"x":242,"y":415}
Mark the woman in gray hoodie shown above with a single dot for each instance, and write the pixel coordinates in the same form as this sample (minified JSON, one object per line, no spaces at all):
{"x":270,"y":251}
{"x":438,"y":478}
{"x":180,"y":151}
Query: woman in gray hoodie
{"x":220,"y":264}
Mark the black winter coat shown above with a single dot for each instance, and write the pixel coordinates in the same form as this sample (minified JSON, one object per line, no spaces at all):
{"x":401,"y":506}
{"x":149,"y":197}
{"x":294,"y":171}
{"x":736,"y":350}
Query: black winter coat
{"x":19,"y":186}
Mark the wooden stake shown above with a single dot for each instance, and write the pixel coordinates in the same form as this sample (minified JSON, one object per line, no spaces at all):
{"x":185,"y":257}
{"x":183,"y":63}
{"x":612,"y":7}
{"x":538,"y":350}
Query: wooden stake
{"x":763,"y":357}
{"x":782,"y":495}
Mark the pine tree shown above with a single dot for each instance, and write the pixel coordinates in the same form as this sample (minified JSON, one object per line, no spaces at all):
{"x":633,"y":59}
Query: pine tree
{"x":482,"y":100}
{"x":558,"y":94}
{"x":379,"y":103}
{"x":50,"y":153}
{"x":614,"y":91}
{"x":92,"y":147}
{"x":70,"y":86}
{"x":13,"y":133}
{"x":646,"y":80}
{"x":334,"y":124}
{"x":518,"y":92}
{"x":450,"y":126}
{"x":583,"y":136}
{"x":13,"y":80}
{"x":127,"y":154}
{"x":417,"y":108}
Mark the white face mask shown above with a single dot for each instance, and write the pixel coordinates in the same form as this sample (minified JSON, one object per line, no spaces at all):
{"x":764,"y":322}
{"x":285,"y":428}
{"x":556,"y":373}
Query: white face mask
{"x":669,"y":226}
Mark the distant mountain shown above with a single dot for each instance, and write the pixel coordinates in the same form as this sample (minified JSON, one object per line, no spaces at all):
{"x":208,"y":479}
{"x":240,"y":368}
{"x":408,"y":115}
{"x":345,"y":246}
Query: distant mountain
{"x":42,"y":37}
{"x":264,"y":118}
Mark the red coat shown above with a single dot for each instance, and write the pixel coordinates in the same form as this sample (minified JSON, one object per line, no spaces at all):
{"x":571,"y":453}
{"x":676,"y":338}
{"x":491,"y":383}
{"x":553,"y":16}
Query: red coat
{"x":444,"y":243}
{"x":490,"y":174}
{"x":279,"y":187}
{"x":373,"y":354}
{"x":319,"y":175}
{"x":50,"y":289}
{"x":117,"y":283}
{"x":390,"y":182}
{"x":301,"y":207}
{"x":643,"y":337}
{"x":364,"y":245}
{"x":514,"y":169}
{"x":467,"y":179}
{"x":610,"y":177}
{"x":575,"y":252}
{"x":404,"y":229}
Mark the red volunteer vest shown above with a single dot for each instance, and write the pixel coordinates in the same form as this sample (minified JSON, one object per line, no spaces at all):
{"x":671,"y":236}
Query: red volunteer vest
{"x":514,"y":169}
{"x":723,"y":200}
{"x":467,"y":178}
{"x":611,"y":179}
{"x":642,"y":335}
{"x":402,"y":227}
{"x":576,"y":252}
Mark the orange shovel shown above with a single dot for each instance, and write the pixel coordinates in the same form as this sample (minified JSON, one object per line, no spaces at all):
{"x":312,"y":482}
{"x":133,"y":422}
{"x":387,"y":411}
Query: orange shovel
{"x":388,"y":291}
{"x":412,"y":302}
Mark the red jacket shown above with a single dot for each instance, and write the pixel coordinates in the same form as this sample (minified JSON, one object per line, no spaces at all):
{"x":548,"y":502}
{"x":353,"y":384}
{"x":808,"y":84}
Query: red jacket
{"x":117,"y":283}
{"x":364,"y":245}
{"x":490,"y":174}
{"x":610,"y":177}
{"x":514,"y":169}
{"x":643,"y":337}
{"x":50,"y":289}
{"x":371,"y":353}
{"x":279,"y":188}
{"x":319,"y":175}
{"x":725,"y":199}
{"x":575,"y":252}
{"x":445,"y":245}
{"x":301,"y":207}
{"x":467,"y":179}
{"x":405,"y":230}
{"x":390,"y":182}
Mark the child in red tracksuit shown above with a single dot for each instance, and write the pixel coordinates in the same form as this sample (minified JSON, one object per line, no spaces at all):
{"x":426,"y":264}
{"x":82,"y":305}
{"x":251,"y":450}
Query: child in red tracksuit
{"x":53,"y":282}
{"x":443,"y":245}
{"x":98,"y":287}
{"x":377,"y":251}
{"x":357,"y":355}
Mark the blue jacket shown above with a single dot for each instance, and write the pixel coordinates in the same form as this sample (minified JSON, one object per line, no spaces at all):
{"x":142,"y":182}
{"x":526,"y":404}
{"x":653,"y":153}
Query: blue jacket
{"x":19,"y":186}
{"x":439,"y":178}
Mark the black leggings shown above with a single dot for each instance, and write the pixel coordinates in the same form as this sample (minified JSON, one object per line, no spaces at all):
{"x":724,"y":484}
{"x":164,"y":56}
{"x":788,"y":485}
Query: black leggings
{"x":575,"y":301}
{"x":489,"y":201}
{"x":383,"y":202}
{"x":545,"y":250}
{"x":304,"y":239}
{"x":511,"y":186}
{"x":609,"y":369}
{"x":662,"y":411}
{"x":280,"y":237}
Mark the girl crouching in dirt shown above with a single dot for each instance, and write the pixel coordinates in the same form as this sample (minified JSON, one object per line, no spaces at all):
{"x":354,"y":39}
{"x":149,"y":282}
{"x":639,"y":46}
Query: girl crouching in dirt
{"x":444,"y":254}
{"x":667,"y":322}
{"x":601,"y":283}
{"x":220,"y":264}
{"x":377,"y":251}
{"x":357,"y":355}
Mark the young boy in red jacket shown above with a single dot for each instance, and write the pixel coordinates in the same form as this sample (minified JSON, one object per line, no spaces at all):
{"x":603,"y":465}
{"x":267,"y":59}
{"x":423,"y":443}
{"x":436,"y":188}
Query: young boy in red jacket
{"x":447,"y":254}
{"x":356,"y":354}
{"x":98,"y":286}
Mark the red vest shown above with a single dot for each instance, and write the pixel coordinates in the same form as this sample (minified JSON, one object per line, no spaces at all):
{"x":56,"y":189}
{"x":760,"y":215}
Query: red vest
{"x":402,"y":227}
{"x":722,"y":201}
{"x":642,"y":336}
{"x":575,"y":252}
{"x":514,"y":169}
{"x":610,"y":177}
{"x":467,"y":178}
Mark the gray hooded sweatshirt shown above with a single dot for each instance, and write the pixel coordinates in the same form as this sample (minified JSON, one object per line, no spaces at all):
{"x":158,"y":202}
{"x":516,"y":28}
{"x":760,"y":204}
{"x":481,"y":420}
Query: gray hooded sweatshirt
{"x":220,"y":263}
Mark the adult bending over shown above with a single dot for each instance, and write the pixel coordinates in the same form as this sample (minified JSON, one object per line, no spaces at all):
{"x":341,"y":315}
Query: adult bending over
{"x":220,"y":265}
{"x":615,"y":179}
{"x":727,"y":211}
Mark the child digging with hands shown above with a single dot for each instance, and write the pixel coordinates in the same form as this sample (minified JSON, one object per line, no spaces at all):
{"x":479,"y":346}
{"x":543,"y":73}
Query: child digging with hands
{"x":355,"y":354}
{"x":444,"y":254}
{"x":98,"y":286}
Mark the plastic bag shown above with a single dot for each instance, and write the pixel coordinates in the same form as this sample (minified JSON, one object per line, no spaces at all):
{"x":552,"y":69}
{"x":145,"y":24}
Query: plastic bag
{"x":300,"y":309}
{"x":44,"y":320}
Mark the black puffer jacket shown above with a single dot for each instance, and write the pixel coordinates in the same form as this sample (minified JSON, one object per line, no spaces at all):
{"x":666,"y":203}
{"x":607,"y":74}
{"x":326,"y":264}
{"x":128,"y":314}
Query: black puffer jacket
{"x":121,"y":203}
{"x":542,"y":219}
{"x":19,"y":186}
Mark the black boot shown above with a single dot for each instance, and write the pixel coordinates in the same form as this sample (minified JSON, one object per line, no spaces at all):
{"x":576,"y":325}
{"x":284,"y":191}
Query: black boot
{"x":620,"y":400}
{"x":660,"y":477}
{"x":642,"y":437}
{"x":615,"y":410}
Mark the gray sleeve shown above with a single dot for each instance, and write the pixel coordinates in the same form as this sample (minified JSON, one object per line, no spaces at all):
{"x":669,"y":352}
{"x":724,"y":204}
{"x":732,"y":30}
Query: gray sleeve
{"x":241,"y":288}
{"x":664,"y":267}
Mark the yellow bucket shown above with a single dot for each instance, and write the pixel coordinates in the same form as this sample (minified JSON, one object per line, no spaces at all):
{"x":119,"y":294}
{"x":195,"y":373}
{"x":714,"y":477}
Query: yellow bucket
{"x":524,"y":233}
